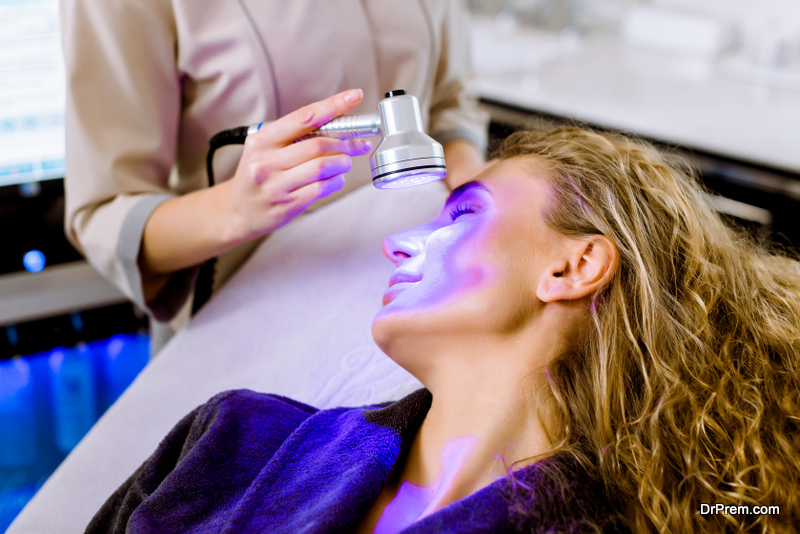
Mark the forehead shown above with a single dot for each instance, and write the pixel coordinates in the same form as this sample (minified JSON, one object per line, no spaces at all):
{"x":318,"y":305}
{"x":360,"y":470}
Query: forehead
{"x":518,"y":185}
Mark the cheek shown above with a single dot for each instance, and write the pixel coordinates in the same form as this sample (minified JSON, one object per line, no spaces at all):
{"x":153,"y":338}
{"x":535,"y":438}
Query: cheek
{"x":458,"y":265}
{"x":489,"y":277}
{"x":467,"y":284}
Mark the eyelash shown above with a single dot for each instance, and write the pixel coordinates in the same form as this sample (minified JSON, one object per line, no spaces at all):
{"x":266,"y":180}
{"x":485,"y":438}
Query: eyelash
{"x":461,"y":210}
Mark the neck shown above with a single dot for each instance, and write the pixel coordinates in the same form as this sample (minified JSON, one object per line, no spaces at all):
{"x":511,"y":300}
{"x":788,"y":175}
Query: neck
{"x":472,"y":436}
{"x":483,"y":419}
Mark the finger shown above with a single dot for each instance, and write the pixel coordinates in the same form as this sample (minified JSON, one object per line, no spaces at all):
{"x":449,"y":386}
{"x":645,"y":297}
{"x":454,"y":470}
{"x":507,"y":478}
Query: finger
{"x":308,"y":194}
{"x":331,"y":185}
{"x":299,"y":153}
{"x":308,"y":118}
{"x":312,"y":171}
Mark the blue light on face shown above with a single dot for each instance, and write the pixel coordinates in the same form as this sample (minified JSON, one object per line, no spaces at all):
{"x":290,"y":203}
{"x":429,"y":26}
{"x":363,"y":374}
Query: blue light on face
{"x":33,"y":261}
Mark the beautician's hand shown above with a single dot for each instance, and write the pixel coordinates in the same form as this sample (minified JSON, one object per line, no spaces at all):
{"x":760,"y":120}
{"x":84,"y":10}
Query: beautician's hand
{"x":276,"y":181}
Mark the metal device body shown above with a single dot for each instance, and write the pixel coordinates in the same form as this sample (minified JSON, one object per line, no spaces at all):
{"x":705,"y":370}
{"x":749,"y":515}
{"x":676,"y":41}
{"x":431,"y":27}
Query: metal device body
{"x":406,"y":155}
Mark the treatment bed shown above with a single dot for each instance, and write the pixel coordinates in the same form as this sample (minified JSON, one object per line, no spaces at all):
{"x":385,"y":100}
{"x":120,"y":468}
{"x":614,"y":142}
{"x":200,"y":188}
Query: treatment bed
{"x":295,"y":320}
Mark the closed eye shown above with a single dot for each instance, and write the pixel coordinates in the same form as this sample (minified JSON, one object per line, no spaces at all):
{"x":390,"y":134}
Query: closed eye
{"x":461,"y":210}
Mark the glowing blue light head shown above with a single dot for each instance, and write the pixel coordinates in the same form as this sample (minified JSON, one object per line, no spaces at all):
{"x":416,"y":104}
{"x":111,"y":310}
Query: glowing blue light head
{"x":410,"y":179}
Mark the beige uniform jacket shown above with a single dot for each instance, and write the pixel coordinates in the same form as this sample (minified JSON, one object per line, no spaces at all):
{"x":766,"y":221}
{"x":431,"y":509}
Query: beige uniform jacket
{"x":151,"y":81}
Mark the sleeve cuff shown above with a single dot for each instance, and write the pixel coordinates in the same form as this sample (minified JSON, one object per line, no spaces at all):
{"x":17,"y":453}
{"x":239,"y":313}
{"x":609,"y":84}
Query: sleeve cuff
{"x":464,"y":134}
{"x":172,"y":298}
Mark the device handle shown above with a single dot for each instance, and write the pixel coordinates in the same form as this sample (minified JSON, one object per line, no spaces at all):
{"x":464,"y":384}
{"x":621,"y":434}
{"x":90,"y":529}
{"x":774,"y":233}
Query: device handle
{"x":344,"y":127}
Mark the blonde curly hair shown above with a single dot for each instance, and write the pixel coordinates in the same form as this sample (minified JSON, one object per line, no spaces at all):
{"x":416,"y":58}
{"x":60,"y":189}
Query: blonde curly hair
{"x":686,"y":389}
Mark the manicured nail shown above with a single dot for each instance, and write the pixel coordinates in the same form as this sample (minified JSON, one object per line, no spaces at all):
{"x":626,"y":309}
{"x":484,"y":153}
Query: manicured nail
{"x":352,"y":96}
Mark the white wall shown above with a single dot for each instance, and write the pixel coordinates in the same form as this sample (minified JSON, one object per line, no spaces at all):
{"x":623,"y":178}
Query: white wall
{"x":753,"y":17}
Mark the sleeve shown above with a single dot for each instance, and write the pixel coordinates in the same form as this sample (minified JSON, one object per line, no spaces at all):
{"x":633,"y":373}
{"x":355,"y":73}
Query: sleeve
{"x":208,"y":459}
{"x":122,"y":117}
{"x":454,"y":111}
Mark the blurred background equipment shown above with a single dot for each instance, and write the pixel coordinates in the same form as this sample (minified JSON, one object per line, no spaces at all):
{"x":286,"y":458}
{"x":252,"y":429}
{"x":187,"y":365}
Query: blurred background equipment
{"x":49,"y":400}
{"x":69,"y":342}
{"x":714,"y":81}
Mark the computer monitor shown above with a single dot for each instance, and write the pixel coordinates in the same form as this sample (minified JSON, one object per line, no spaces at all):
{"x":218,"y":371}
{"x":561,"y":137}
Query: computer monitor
{"x":32,"y":102}
{"x":32,"y":92}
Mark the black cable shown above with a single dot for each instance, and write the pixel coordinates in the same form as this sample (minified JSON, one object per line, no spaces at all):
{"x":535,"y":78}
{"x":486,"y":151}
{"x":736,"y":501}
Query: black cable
{"x":234,"y":136}
{"x":205,"y":278}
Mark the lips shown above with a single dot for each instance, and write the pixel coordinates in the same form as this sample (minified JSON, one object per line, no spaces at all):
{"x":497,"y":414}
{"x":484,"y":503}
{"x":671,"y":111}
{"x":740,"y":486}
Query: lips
{"x":397,"y":283}
{"x":401,"y":277}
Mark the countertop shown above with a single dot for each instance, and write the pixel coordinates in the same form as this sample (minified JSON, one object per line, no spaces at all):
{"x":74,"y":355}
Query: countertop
{"x":688,"y":102}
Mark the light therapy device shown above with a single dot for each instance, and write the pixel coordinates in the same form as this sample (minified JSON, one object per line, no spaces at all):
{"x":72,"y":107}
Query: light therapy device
{"x":405,"y":157}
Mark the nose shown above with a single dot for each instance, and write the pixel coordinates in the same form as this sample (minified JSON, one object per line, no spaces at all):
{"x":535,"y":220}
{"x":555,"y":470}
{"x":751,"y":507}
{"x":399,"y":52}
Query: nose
{"x":398,"y":247}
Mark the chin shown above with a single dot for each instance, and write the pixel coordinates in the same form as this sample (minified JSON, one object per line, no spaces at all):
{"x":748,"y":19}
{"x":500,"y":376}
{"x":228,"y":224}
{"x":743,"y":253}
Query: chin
{"x":399,"y":332}
{"x":405,"y":347}
{"x":404,"y":329}
{"x":388,"y":327}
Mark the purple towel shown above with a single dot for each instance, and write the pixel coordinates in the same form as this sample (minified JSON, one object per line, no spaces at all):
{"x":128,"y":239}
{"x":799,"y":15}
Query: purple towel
{"x":252,"y":462}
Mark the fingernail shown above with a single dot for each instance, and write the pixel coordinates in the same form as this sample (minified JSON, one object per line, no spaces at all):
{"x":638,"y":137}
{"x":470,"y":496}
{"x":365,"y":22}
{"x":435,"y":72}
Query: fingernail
{"x":352,"y":96}
{"x":366,"y":145}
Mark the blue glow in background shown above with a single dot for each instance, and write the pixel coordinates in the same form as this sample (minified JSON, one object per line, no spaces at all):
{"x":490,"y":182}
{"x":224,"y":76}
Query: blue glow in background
{"x":33,"y":261}
{"x":49,"y":400}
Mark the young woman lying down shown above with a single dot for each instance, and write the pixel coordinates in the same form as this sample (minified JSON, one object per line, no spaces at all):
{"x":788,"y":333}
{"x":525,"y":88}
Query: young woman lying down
{"x":600,"y":353}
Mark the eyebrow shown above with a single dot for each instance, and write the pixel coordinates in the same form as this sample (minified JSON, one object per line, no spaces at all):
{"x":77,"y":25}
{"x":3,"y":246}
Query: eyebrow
{"x":464,"y":188}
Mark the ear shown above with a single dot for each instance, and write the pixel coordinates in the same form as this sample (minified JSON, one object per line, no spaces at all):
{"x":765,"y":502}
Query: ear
{"x":583,"y":267}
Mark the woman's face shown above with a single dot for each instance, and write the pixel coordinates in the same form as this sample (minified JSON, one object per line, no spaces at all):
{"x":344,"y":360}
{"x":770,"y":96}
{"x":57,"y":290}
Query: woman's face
{"x":474,"y":268}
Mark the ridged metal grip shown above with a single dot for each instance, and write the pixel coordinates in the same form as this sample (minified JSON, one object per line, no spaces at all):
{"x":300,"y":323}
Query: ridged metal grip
{"x":349,"y":127}
{"x":344,"y":127}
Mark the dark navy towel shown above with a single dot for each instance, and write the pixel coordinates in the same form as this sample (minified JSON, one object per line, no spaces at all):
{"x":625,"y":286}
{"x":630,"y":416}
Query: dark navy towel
{"x":252,"y":462}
